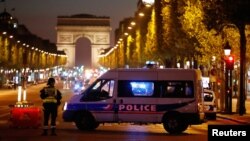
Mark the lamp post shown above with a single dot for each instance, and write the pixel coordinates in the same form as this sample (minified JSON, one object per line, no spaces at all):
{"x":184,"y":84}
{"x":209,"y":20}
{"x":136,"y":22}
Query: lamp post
{"x":148,"y":2}
{"x":24,"y":77}
{"x":229,"y":60}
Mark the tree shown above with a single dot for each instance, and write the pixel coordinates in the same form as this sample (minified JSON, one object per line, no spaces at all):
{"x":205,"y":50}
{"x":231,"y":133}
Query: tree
{"x":221,"y":13}
{"x":208,"y":42}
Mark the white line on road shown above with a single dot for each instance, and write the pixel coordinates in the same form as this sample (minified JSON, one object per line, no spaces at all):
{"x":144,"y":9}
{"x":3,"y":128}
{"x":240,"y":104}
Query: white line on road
{"x":4,"y":107}
{"x":5,"y":114}
{"x":4,"y":121}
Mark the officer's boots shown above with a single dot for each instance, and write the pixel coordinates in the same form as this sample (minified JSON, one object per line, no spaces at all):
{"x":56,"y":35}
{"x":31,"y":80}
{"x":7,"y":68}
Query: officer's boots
{"x":45,"y":132}
{"x":53,"y":132}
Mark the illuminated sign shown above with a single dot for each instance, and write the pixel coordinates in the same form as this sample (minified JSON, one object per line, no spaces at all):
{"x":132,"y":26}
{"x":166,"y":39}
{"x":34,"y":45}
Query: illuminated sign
{"x":205,"y":82}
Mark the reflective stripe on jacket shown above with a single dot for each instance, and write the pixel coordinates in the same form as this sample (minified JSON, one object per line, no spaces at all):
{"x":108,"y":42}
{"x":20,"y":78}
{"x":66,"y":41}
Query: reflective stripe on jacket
{"x":51,"y":92}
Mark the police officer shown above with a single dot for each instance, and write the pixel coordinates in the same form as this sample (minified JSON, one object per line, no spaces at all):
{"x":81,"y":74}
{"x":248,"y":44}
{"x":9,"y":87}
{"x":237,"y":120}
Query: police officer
{"x":51,"y":100}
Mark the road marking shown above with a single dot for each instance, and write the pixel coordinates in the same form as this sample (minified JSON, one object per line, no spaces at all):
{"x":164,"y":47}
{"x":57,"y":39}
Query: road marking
{"x":4,"y":107}
{"x":5,"y":114}
{"x":4,"y":121}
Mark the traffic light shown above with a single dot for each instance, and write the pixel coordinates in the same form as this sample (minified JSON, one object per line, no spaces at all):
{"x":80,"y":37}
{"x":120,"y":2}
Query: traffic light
{"x":230,"y":63}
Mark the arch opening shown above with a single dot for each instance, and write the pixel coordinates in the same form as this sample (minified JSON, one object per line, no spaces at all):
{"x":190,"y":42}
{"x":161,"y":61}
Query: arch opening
{"x":83,"y":52}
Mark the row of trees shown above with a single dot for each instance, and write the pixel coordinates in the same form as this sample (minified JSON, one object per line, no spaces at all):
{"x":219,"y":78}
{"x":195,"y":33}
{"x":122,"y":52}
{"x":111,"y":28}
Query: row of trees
{"x":18,"y":54}
{"x":20,"y":49}
{"x":177,"y":31}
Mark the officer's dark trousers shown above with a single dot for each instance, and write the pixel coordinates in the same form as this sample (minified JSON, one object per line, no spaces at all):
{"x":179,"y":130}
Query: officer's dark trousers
{"x":50,"y":111}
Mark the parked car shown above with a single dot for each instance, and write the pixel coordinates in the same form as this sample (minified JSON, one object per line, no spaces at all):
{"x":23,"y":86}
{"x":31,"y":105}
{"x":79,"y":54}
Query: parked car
{"x":209,"y":102}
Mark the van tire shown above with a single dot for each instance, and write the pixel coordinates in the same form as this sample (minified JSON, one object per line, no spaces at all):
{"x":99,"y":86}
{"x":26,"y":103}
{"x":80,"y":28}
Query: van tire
{"x":211,"y":116}
{"x":85,"y":122}
{"x":174,"y":125}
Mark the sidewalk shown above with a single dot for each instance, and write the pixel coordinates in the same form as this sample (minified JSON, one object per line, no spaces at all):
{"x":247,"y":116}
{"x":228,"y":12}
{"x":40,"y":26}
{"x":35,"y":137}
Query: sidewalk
{"x":244,"y":119}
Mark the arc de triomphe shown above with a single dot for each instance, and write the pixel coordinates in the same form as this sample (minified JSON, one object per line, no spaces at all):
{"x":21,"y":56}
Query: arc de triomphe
{"x":71,"y":28}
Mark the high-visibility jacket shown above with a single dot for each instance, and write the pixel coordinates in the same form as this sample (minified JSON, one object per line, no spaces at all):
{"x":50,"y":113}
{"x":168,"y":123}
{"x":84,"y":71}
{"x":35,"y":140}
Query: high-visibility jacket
{"x":51,"y":93}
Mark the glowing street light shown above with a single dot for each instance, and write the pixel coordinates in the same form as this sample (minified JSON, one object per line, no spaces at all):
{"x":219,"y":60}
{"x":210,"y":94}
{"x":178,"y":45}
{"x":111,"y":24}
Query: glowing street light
{"x":227,"y":49}
{"x":148,"y":2}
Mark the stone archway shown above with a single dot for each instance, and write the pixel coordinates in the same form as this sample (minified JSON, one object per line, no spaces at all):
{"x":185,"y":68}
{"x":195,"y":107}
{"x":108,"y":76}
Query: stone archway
{"x":71,"y":28}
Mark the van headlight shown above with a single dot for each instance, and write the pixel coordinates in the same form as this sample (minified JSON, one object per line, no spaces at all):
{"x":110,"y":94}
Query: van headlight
{"x":65,"y":106}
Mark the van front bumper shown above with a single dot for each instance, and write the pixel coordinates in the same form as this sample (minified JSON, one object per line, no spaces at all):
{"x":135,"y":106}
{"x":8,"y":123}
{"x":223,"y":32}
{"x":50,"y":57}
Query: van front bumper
{"x":68,"y":116}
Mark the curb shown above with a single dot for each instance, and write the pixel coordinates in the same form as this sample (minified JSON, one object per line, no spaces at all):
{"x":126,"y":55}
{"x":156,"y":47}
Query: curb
{"x":233,"y":119}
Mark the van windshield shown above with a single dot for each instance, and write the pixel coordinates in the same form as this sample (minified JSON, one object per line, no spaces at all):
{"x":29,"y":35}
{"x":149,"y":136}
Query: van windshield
{"x":99,"y":90}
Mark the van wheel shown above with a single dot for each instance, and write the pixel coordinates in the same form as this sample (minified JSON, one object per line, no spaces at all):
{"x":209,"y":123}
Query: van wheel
{"x":174,"y":125}
{"x":211,"y":116}
{"x":85,"y":122}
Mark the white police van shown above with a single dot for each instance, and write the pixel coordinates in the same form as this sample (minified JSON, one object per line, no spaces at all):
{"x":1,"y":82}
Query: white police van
{"x":173,"y":97}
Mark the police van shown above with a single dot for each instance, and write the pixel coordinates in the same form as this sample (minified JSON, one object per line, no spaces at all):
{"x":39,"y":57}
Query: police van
{"x":173,"y":97}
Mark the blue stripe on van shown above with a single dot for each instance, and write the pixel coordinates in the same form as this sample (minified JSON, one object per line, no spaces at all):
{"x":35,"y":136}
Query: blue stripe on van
{"x":169,"y":107}
{"x":90,"y":107}
{"x":111,"y":107}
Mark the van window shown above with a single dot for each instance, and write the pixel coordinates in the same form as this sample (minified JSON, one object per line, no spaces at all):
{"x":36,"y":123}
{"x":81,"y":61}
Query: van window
{"x":142,"y":88}
{"x":108,"y":88}
{"x":177,"y":89}
{"x":208,"y":96}
{"x":100,"y":90}
{"x":135,"y":89}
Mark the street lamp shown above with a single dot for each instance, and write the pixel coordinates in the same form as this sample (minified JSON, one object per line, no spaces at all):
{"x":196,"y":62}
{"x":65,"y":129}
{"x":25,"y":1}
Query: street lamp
{"x":148,"y":2}
{"x":227,"y":49}
{"x":229,"y":60}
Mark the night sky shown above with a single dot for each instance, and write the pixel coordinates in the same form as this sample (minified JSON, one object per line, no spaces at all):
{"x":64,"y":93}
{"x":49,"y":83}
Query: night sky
{"x":40,"y":16}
